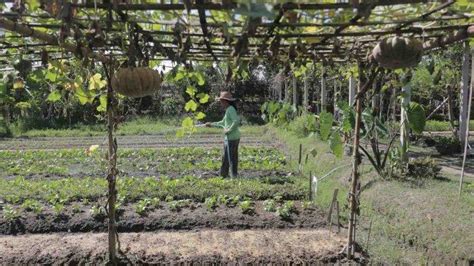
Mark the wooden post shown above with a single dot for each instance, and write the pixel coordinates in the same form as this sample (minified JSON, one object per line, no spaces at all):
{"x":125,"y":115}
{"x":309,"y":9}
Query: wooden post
{"x":355,"y":169}
{"x":112,"y":170}
{"x":337,"y":216}
{"x":352,"y":89}
{"x":281,"y":87}
{"x":300,"y":156}
{"x":305,"y":92}
{"x":466,"y":132}
{"x":464,"y":101}
{"x":300,"y":159}
{"x":295,"y":91}
{"x":323,"y":90}
{"x":449,"y":90}
{"x":310,"y":187}
{"x":333,"y":203}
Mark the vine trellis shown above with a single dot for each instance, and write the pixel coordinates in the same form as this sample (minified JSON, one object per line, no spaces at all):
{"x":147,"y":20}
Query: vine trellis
{"x":229,"y":32}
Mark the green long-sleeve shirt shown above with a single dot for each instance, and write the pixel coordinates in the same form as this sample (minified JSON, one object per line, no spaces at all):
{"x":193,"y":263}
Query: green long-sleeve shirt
{"x":230,"y":123}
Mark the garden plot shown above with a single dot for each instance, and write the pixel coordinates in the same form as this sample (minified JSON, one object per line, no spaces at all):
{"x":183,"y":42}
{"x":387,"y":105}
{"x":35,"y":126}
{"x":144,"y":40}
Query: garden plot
{"x":133,"y":141}
{"x":64,"y":191}
{"x":173,"y":188}
{"x":171,"y":162}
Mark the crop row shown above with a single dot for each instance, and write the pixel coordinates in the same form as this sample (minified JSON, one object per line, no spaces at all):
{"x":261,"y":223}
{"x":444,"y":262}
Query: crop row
{"x":133,"y":162}
{"x":131,"y":189}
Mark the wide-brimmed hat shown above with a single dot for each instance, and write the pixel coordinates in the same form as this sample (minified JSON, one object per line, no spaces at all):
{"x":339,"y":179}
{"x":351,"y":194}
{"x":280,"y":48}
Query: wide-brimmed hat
{"x":225,"y":95}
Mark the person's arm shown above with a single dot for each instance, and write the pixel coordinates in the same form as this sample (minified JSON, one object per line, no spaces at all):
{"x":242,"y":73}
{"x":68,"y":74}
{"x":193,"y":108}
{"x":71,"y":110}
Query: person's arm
{"x":235,"y":120}
{"x":218,"y":124}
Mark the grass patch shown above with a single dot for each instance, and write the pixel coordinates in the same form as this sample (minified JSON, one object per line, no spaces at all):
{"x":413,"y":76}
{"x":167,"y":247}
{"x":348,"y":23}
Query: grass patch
{"x":434,"y":125}
{"x":139,"y":126}
{"x":319,"y":165}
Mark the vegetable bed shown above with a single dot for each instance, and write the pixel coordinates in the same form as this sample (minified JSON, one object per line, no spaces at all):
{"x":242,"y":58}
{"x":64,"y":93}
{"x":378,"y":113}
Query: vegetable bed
{"x":158,"y":189}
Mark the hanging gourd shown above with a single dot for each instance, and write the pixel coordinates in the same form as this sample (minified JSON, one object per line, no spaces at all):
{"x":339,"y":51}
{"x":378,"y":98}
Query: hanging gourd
{"x":398,"y":52}
{"x":136,"y":81}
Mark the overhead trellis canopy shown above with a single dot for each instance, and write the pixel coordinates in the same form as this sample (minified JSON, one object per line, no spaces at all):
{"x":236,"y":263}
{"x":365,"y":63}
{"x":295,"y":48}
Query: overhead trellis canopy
{"x":140,"y":32}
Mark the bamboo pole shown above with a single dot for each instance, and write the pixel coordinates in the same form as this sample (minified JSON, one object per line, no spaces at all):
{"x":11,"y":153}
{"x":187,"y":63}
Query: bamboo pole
{"x":466,"y":135}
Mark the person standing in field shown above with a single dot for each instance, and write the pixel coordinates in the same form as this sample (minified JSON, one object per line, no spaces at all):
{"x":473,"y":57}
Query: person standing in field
{"x":230,"y":123}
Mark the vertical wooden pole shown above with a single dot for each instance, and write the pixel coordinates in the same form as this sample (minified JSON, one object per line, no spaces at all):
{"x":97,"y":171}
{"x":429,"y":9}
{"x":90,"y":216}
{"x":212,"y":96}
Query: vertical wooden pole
{"x":295,"y":90}
{"x":323,"y":90}
{"x":112,"y":170}
{"x":466,"y":132}
{"x":355,"y":169}
{"x":333,"y":205}
{"x":305,"y":93}
{"x":310,"y":187}
{"x":352,"y":89}
{"x":393,"y":100}
{"x":281,"y":87}
{"x":464,"y":101}
{"x":287,"y":91}
{"x":449,"y":90}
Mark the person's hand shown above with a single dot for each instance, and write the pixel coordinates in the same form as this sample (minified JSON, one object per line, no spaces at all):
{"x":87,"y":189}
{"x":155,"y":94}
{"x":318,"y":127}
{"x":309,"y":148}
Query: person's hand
{"x":226,"y":131}
{"x":208,"y":124}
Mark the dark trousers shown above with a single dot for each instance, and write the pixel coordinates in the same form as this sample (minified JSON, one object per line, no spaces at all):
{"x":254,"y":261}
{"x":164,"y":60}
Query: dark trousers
{"x":233,"y":149}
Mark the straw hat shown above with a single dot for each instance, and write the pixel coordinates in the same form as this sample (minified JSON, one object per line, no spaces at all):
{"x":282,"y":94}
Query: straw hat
{"x":225,"y":95}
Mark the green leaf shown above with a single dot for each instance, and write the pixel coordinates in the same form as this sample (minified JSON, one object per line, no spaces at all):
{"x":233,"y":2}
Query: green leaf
{"x":191,"y":91}
{"x":54,"y":96}
{"x":313,"y":152}
{"x":96,"y":82}
{"x":200,"y":78}
{"x":203,"y":97}
{"x":83,"y":96}
{"x":335,"y":143}
{"x":33,"y":5}
{"x":191,"y":105}
{"x":179,"y":76}
{"x":180,"y":133}
{"x":51,"y":76}
{"x":416,"y":117}
{"x":325,"y":124}
{"x":200,"y":116}
{"x":187,"y":123}
{"x":103,"y":103}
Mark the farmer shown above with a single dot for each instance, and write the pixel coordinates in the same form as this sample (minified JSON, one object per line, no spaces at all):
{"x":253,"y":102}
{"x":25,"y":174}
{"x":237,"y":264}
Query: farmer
{"x":230,"y":123}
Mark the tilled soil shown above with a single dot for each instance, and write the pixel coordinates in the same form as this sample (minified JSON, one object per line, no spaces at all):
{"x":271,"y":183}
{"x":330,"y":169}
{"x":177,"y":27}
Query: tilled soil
{"x":196,"y":216}
{"x":208,"y":247}
{"x":133,"y":141}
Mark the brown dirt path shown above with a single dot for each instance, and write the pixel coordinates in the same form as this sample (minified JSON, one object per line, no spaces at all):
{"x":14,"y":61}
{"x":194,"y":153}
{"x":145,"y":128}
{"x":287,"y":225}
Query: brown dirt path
{"x":202,"y":247}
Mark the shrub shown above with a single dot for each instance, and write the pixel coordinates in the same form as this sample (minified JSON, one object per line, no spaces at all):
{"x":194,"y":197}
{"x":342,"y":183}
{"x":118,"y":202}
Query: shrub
{"x":4,"y":129}
{"x":447,"y":145}
{"x":423,"y":168}
{"x":303,"y":125}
